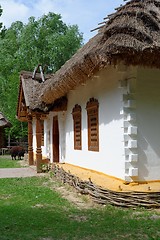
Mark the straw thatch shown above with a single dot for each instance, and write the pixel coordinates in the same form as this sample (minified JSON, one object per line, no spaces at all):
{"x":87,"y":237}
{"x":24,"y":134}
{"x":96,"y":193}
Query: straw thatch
{"x":31,"y":90}
{"x":131,"y":35}
{"x":4,"y":122}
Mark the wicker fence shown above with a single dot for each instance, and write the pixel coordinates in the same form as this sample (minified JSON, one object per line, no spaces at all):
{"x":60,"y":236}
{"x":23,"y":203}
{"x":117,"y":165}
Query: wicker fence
{"x":105,"y":196}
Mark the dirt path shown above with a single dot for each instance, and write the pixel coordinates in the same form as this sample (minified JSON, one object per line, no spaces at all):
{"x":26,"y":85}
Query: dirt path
{"x":17,"y":172}
{"x":24,"y":171}
{"x":72,"y":195}
{"x":66,"y":191}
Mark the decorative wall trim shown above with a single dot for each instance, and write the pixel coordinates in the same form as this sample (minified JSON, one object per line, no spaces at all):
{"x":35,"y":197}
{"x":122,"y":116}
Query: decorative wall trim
{"x":130,"y":128}
{"x":77,"y":126}
{"x":93,"y":124}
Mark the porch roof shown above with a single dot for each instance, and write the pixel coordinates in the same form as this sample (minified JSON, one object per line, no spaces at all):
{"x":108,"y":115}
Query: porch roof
{"x":31,"y":89}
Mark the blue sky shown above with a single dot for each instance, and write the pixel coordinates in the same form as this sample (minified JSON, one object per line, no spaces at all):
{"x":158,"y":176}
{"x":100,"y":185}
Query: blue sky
{"x":85,"y":13}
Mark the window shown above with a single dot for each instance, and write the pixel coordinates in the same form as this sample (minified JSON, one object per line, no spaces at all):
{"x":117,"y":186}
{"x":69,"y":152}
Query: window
{"x":76,"y":113}
{"x":93,"y":124}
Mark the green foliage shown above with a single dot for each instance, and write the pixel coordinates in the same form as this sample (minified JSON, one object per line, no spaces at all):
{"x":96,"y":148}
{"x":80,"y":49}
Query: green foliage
{"x":47,"y":41}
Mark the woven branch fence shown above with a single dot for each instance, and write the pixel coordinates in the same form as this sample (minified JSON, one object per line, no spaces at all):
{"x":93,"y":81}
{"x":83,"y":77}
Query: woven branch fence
{"x":106,"y":196}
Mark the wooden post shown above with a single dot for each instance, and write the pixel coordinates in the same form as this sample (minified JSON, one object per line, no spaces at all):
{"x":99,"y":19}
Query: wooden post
{"x":38,"y":139}
{"x":30,"y":141}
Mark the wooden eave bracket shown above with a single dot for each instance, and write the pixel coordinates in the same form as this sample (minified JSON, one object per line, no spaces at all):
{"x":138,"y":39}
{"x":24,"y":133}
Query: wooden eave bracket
{"x":41,"y":115}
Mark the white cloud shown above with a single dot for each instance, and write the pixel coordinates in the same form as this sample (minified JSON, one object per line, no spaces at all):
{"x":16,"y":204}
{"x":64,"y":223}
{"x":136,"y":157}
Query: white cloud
{"x":13,"y":11}
{"x":85,"y":13}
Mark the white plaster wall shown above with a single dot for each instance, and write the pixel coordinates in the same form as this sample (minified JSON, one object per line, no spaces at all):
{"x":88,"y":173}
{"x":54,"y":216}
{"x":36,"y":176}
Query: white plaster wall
{"x":34,"y":135}
{"x":61,"y":126}
{"x":62,"y":143}
{"x":148,"y":122}
{"x":50,"y":136}
{"x":110,"y":158}
{"x":45,"y":138}
{"x":45,"y":148}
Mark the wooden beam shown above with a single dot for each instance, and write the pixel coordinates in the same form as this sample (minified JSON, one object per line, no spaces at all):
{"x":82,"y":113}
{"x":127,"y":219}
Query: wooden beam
{"x":60,"y":105}
{"x":97,"y":28}
{"x":44,"y":116}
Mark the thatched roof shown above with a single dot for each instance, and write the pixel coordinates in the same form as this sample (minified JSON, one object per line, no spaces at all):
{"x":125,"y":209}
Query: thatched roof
{"x":131,"y":35}
{"x":3,"y":121}
{"x":32,"y":89}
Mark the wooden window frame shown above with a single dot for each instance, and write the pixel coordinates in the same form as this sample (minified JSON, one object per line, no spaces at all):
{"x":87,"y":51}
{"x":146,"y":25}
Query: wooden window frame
{"x":93,"y":124}
{"x":77,"y":126}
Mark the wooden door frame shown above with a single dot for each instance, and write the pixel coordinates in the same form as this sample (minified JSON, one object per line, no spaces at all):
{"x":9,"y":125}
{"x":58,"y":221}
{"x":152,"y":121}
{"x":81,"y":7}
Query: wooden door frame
{"x":55,"y":134}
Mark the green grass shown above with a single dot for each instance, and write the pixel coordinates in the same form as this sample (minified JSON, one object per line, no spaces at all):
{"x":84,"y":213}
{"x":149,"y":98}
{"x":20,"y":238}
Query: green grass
{"x":7,"y":162}
{"x":30,"y":210}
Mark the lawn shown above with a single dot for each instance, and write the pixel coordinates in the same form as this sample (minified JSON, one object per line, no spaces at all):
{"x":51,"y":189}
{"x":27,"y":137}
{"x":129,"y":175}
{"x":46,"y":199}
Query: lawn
{"x":31,"y":210}
{"x":7,"y":162}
